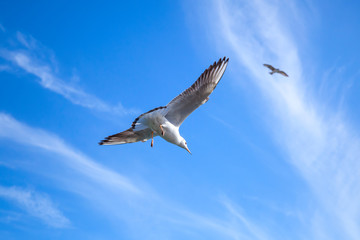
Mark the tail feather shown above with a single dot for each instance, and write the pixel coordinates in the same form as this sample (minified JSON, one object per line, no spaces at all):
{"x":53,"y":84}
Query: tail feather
{"x":128,"y":136}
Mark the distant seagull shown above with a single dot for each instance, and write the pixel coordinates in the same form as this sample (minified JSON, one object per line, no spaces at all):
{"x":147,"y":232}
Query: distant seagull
{"x":275,"y":70}
{"x":165,"y":121}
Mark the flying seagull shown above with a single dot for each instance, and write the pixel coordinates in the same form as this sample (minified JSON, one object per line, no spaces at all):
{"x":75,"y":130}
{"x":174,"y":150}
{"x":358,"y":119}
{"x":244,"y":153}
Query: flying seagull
{"x":275,"y":70}
{"x":165,"y":121}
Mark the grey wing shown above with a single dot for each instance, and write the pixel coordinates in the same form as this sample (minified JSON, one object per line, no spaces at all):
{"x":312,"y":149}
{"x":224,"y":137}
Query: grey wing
{"x":128,"y":136}
{"x":138,"y":132}
{"x":269,"y":66}
{"x":196,"y":95}
{"x":283,"y":73}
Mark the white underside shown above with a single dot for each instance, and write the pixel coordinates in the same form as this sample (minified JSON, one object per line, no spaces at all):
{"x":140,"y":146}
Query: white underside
{"x":153,"y":121}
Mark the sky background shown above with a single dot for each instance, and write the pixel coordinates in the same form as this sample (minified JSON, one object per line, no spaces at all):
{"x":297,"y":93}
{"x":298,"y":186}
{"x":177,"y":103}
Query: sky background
{"x":272,"y":157}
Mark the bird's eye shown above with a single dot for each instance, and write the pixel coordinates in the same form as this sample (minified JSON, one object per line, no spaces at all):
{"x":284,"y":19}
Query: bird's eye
{"x":185,"y":143}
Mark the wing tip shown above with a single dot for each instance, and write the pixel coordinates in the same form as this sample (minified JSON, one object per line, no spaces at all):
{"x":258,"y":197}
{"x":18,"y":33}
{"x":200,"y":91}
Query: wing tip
{"x":109,"y":142}
{"x":221,"y":61}
{"x":103,"y":142}
{"x":224,"y":59}
{"x":106,"y":141}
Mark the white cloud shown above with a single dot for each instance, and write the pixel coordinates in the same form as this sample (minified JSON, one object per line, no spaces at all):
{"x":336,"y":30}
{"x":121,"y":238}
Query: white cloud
{"x":321,"y":145}
{"x":253,"y":230}
{"x":2,"y":28}
{"x":114,"y":195}
{"x":27,"y":42}
{"x":4,"y":68}
{"x":40,"y":62}
{"x":21,"y":133}
{"x":37,"y":205}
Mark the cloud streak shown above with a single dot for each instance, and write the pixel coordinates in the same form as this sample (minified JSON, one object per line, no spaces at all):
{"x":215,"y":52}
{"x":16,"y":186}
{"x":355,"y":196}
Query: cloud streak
{"x":320,"y":144}
{"x":37,"y":205}
{"x":115,"y":195}
{"x":16,"y":131}
{"x":39,"y":62}
{"x":2,"y":28}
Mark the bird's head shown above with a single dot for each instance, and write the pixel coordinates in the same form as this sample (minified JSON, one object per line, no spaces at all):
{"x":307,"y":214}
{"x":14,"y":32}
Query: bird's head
{"x":183,"y":144}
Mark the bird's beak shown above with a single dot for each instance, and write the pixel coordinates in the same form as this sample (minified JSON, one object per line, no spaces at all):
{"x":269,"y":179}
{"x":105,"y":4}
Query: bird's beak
{"x":187,"y":149}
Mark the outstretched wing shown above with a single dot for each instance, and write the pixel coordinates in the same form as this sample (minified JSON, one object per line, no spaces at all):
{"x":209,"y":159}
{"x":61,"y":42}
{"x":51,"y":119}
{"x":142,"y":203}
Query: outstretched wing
{"x":138,"y":132}
{"x":196,"y":95}
{"x":283,"y":73}
{"x":128,"y":136}
{"x":269,"y":66}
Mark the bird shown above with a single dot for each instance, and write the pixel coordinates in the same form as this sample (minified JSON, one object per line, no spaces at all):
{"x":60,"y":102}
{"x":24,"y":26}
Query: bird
{"x":275,"y":70}
{"x":165,"y":121}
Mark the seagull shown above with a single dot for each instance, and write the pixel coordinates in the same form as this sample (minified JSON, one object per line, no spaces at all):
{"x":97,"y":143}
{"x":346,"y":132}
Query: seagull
{"x":275,"y":70}
{"x":165,"y":121}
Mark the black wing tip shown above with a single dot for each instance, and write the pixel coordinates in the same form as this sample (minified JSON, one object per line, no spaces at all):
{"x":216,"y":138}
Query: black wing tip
{"x":106,"y":140}
{"x":103,"y":142}
{"x":219,"y":62}
{"x":267,"y":65}
{"x":224,"y":59}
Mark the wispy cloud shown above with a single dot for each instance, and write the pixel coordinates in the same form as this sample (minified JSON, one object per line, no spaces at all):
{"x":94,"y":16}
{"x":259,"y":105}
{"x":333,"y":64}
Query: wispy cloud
{"x":38,"y":61}
{"x":36,"y":204}
{"x":9,"y":216}
{"x":2,"y":28}
{"x":119,"y":197}
{"x":4,"y":68}
{"x":253,"y":230}
{"x":319,"y":143}
{"x":16,"y":131}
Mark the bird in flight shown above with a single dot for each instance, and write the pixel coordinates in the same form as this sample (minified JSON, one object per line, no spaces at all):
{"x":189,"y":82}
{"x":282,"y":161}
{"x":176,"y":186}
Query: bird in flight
{"x":275,"y":70}
{"x":165,"y":121}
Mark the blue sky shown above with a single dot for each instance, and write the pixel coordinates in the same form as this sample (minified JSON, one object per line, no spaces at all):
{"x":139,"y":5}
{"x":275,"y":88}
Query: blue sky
{"x":273,"y":157}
